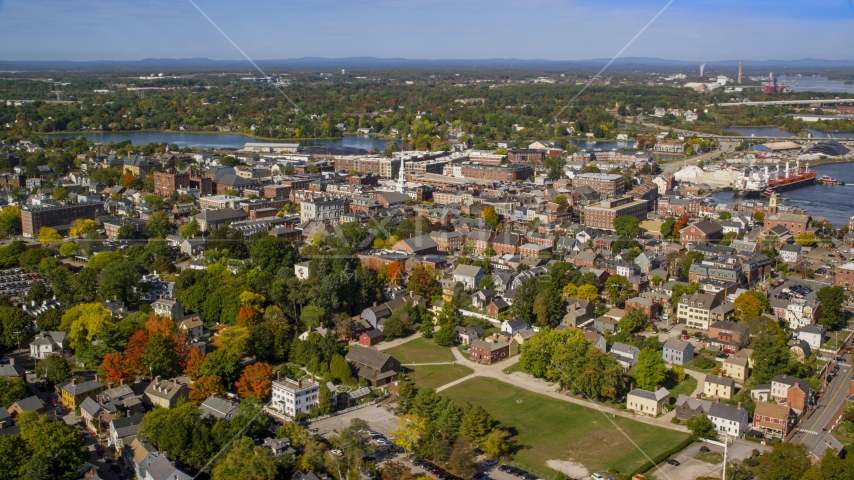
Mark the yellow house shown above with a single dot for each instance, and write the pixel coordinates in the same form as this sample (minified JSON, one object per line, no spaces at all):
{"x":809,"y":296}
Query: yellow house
{"x":736,"y":367}
{"x":645,"y":402}
{"x":448,"y":286}
{"x":73,"y":393}
{"x":716,"y":386}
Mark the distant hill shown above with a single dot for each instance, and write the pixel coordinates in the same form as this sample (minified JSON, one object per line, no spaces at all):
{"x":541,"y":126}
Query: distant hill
{"x":315,"y":63}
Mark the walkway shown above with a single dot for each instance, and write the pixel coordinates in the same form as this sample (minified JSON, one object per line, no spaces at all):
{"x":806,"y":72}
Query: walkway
{"x":536,"y":385}
{"x":399,"y":341}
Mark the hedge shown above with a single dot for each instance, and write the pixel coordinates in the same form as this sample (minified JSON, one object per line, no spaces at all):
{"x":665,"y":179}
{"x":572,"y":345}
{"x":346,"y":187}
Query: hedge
{"x":661,"y":457}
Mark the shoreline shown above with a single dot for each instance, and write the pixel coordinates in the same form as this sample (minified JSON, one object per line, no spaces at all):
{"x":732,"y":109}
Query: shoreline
{"x":119,"y":132}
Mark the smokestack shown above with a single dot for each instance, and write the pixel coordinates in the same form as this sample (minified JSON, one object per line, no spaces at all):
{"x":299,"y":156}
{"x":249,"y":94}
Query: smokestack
{"x":740,"y":66}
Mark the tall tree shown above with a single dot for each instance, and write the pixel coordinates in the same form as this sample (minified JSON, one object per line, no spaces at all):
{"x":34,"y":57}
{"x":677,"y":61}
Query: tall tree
{"x":246,"y":461}
{"x":651,"y":369}
{"x":256,"y":381}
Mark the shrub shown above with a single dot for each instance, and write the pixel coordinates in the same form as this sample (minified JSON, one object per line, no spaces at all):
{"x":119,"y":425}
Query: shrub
{"x":675,"y":420}
{"x":704,"y":449}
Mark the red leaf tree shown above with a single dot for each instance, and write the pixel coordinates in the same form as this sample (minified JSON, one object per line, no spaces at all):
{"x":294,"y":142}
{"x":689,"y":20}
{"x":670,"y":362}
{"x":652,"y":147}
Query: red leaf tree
{"x":204,"y":387}
{"x":256,"y":381}
{"x":113,"y":369}
{"x":194,"y":364}
{"x":135,"y":352}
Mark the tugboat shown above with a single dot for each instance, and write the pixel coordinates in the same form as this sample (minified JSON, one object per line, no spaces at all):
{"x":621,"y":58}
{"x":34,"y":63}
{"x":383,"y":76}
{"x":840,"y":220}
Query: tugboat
{"x":825,"y":180}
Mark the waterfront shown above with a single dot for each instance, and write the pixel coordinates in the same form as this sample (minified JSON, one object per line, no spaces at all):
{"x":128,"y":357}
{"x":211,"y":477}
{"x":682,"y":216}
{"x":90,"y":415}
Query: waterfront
{"x":816,"y":84}
{"x":774,"y":132}
{"x":218,"y":140}
{"x":836,"y":203}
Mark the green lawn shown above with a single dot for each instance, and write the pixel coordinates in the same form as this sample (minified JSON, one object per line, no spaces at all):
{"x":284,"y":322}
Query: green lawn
{"x":434,"y":376}
{"x":551,"y":429}
{"x":686,"y":387}
{"x":421,"y":350}
{"x":516,"y":367}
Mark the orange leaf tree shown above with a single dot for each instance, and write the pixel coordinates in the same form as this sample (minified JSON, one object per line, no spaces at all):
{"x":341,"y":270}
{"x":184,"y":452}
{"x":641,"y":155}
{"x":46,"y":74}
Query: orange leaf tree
{"x":256,"y":381}
{"x":113,"y":368}
{"x":162,"y":326}
{"x":248,"y":317}
{"x":194,"y":364}
{"x":135,"y":352}
{"x":204,"y":387}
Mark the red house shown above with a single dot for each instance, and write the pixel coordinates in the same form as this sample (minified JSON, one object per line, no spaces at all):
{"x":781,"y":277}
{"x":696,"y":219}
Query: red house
{"x":489,"y":351}
{"x":371,"y":337}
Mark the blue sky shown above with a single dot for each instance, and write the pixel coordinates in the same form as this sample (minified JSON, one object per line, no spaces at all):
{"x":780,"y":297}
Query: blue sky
{"x":696,"y":30}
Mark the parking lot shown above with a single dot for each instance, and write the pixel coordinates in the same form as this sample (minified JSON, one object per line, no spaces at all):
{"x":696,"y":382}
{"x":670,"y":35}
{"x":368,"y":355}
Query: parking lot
{"x":16,"y":281}
{"x":378,"y":417}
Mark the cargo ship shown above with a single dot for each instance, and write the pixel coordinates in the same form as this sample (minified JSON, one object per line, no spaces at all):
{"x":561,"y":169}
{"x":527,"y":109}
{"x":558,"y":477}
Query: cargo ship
{"x":790,"y":180}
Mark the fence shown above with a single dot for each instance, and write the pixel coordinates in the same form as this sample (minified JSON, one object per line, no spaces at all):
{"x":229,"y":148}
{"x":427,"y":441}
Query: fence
{"x":349,"y":409}
{"x":469,"y":313}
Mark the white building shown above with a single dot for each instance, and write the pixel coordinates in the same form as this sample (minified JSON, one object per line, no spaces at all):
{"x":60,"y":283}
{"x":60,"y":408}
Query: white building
{"x":321,"y":209}
{"x":791,"y":253}
{"x":302,"y":269}
{"x":801,"y":313}
{"x":293,"y":397}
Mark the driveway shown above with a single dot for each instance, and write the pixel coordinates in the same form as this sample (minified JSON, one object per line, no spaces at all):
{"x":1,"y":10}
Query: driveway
{"x":691,"y":468}
{"x":379,"y":418}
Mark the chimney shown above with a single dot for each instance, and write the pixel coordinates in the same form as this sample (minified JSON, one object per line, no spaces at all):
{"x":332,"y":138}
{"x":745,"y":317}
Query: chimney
{"x":739,"y":404}
{"x":631,"y":386}
{"x":278,"y":376}
{"x":312,"y":378}
{"x":157,"y":379}
{"x":299,"y":383}
{"x":73,"y":381}
{"x":718,"y":400}
{"x":656,"y":388}
{"x":11,"y":361}
{"x":698,"y":395}
{"x":172,"y":464}
{"x":96,"y":377}
{"x":121,"y":381}
{"x":375,"y":304}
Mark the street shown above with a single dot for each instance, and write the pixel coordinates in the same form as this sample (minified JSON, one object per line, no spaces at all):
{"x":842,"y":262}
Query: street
{"x":827,"y":410}
{"x":691,"y":468}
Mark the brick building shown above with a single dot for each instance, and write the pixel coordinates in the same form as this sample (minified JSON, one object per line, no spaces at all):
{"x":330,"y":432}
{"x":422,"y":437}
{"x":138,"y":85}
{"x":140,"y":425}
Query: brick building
{"x":526,"y":155}
{"x":602,"y":215}
{"x":497,"y":173}
{"x":167,"y":182}
{"x":702,"y":232}
{"x":277,"y":191}
{"x":612,"y":185}
{"x":845,"y":275}
{"x":34,"y":217}
{"x":796,"y":224}
{"x":489,"y":351}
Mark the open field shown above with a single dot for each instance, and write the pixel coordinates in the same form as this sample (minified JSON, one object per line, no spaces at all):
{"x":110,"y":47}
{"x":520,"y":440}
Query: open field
{"x":686,"y":387}
{"x":548,"y":429}
{"x":421,"y":350}
{"x":434,"y":376}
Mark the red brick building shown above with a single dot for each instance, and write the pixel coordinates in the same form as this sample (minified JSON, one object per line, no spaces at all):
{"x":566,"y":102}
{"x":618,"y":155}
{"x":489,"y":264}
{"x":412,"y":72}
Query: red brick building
{"x":489,"y":351}
{"x":371,"y":337}
{"x":506,"y":243}
{"x":526,"y":155}
{"x":701,"y":232}
{"x":795,"y":223}
{"x":845,"y":276}
{"x":497,"y":173}
{"x":167,"y":182}
{"x":603,"y":214}
{"x":277,"y":191}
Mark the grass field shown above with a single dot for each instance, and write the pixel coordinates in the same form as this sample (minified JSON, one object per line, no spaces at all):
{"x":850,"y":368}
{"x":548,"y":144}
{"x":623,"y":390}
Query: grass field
{"x":549,"y":429}
{"x":434,"y":376}
{"x":687,"y":387}
{"x":421,"y":350}
{"x":516,"y":367}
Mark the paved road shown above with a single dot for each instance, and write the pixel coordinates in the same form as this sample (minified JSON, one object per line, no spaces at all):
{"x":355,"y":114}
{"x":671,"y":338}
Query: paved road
{"x":691,"y":468}
{"x":828,"y":409}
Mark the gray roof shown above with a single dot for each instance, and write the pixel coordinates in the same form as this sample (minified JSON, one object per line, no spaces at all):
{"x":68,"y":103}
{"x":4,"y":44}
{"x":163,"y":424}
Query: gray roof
{"x":725,"y":411}
{"x":646,"y":394}
{"x":719,"y":380}
{"x":678,"y":345}
{"x":127,"y":426}
{"x":468,"y":271}
{"x":81,"y":388}
{"x":219,"y":408}
{"x":30,"y":403}
{"x":163,"y":469}
{"x":367,"y":356}
{"x":7,"y":370}
{"x":622,"y":348}
{"x":90,"y":406}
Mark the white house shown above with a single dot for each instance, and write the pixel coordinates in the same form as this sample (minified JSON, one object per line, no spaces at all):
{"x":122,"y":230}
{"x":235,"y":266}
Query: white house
{"x":801,"y":312}
{"x":626,"y":355}
{"x":815,"y":335}
{"x":468,"y":275}
{"x":513,"y":325}
{"x":301,"y":270}
{"x":293,"y":397}
{"x":791,"y":253}
{"x":46,"y":343}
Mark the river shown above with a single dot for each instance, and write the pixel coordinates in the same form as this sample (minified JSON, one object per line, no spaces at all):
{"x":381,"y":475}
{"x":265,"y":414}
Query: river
{"x":219,"y":140}
{"x":815,"y":84}
{"x":775,"y":132}
{"x":835,"y":203}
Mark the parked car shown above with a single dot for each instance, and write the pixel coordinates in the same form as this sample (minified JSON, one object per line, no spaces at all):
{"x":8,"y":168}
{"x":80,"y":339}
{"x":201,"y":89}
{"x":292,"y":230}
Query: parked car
{"x":671,"y":461}
{"x":596,"y":476}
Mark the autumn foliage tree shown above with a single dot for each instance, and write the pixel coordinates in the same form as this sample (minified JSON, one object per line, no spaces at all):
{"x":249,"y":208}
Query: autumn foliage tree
{"x":681,"y":223}
{"x":194,"y":364}
{"x":113,"y":369}
{"x":423,"y":282}
{"x":394,"y":272}
{"x":256,"y":381}
{"x":204,"y":387}
{"x":135,"y":352}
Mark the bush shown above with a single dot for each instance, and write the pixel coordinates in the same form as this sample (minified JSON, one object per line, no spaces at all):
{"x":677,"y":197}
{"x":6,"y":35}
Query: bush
{"x":675,"y":420}
{"x":704,"y":362}
{"x":704,"y":449}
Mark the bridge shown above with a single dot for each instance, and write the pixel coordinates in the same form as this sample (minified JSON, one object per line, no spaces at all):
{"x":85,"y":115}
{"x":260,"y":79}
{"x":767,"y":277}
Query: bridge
{"x":823,"y":101}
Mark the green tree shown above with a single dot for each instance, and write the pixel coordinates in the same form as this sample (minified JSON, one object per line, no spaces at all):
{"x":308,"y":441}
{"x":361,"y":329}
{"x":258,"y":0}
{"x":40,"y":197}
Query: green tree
{"x":786,"y":461}
{"x":634,"y":320}
{"x":59,"y":194}
{"x":16,"y":327}
{"x":806,"y":239}
{"x":119,"y":281}
{"x":84,"y":322}
{"x":324,"y":398}
{"x":476,"y":424}
{"x":49,"y":237}
{"x":626,"y":225}
{"x":61,"y":444}
{"x":702,"y":427}
{"x":68,"y":249}
{"x":271,"y":254}
{"x":394,"y":327}
{"x":619,"y":289}
{"x":832,"y":315}
{"x":750,"y":304}
{"x":462,"y":460}
{"x":14,"y":456}
{"x":497,"y":443}
{"x":12,"y":389}
{"x":53,"y":368}
{"x":651,"y":369}
{"x":770,"y":357}
{"x":158,"y":225}
{"x":725,"y":216}
{"x":246,"y":461}
{"x":312,"y":316}
{"x":340,"y":369}
{"x":667,"y":227}
{"x":190,"y":229}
